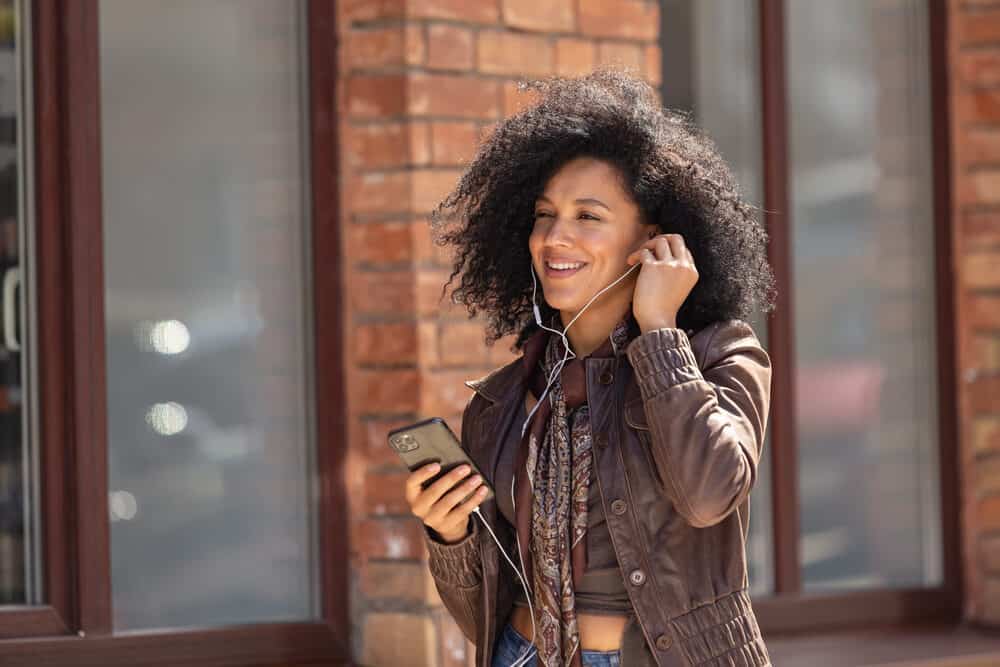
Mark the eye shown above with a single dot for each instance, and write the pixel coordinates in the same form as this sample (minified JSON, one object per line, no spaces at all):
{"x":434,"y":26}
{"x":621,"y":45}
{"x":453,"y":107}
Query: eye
{"x":542,"y":214}
{"x":589,"y":216}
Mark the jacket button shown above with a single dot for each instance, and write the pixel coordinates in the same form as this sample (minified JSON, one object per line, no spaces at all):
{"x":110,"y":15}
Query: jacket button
{"x":607,"y":377}
{"x":663,"y":643}
{"x":637,"y":577}
{"x":619,"y":506}
{"x":600,"y":440}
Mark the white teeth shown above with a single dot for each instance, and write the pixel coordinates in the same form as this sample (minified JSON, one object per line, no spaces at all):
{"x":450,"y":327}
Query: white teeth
{"x":565,"y":266}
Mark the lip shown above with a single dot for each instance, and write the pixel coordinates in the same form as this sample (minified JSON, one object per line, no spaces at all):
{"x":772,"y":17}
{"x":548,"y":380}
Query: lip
{"x":556,"y":273}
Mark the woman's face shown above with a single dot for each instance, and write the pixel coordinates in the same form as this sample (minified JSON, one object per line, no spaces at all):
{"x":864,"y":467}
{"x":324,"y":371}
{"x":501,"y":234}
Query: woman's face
{"x":586,"y":225}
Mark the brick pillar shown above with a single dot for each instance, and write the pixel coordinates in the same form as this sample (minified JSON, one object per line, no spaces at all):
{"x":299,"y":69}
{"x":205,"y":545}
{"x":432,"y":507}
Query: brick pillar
{"x":974,"y":55}
{"x":420,"y":81}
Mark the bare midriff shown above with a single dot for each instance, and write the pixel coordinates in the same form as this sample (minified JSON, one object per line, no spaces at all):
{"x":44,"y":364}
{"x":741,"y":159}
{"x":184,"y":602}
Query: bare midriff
{"x":598,"y":632}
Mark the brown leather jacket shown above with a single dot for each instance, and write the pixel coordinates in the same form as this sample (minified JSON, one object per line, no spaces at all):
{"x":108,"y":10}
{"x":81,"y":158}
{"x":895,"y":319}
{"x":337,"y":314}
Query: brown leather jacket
{"x":678,"y":426}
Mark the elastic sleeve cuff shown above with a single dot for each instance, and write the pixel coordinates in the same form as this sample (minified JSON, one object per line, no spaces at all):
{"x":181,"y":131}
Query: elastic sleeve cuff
{"x":662,"y":358}
{"x":456,"y":564}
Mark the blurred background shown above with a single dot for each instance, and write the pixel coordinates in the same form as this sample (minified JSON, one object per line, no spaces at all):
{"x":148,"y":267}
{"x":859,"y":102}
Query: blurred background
{"x":218,"y":294}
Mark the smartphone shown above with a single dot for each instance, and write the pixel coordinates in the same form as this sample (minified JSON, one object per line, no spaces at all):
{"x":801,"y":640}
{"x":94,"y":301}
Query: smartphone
{"x":431,"y":441}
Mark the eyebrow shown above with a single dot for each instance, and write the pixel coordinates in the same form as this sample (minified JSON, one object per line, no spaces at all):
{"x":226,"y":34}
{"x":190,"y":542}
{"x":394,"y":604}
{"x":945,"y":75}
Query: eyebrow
{"x":586,"y":200}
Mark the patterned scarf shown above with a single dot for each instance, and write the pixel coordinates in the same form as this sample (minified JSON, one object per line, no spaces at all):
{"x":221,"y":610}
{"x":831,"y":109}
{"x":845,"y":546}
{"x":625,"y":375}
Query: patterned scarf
{"x":554,"y":467}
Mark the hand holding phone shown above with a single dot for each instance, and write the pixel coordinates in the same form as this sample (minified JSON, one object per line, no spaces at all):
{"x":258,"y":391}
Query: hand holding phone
{"x":445,"y":505}
{"x":444,"y":487}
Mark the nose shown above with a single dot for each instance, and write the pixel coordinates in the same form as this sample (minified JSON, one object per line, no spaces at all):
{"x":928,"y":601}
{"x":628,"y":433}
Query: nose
{"x":559,"y":234}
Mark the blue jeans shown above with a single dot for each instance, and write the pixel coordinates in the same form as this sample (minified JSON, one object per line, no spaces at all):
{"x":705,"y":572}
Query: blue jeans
{"x":511,"y":646}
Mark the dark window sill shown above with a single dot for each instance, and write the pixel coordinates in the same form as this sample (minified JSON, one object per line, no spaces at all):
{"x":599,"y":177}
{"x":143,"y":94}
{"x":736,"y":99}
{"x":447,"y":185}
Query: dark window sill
{"x":935,"y":645}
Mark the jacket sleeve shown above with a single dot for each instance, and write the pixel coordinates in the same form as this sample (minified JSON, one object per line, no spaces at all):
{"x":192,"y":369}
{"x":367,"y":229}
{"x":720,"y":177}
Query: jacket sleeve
{"x":706,"y":423}
{"x":457,"y":568}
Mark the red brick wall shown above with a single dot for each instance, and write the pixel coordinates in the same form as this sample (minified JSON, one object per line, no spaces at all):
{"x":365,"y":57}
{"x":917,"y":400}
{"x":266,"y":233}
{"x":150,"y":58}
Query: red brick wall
{"x":975,"y":126}
{"x":420,"y":81}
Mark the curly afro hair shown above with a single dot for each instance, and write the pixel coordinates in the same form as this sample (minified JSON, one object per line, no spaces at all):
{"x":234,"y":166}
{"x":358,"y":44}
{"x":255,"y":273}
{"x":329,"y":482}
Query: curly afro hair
{"x":670,"y":168}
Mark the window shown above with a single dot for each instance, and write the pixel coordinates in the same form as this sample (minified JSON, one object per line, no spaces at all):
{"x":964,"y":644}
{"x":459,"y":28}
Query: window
{"x":824,"y":111}
{"x":158,"y":162}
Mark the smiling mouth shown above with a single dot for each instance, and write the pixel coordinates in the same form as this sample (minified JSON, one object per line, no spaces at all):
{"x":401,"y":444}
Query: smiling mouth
{"x":563,"y":269}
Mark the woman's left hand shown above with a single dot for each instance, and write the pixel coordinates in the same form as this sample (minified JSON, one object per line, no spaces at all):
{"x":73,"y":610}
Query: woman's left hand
{"x":667,"y":277}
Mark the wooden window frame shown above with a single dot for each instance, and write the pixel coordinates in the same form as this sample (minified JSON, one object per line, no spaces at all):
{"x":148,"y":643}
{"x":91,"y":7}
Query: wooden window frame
{"x":75,"y":625}
{"x":789,"y":609}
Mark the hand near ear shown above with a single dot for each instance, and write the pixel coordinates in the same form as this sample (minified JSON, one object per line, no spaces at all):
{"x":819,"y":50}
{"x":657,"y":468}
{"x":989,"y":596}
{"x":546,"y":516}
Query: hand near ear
{"x":665,"y":280}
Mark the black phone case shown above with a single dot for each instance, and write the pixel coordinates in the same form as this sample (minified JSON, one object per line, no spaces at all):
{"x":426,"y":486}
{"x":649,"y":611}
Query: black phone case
{"x":431,"y":441}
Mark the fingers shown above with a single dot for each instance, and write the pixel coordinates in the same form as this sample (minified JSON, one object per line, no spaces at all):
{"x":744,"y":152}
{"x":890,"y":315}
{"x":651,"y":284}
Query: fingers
{"x":414,"y":483}
{"x":441,"y":512}
{"x":662,"y":248}
{"x":676,"y":247}
{"x":425,"y":499}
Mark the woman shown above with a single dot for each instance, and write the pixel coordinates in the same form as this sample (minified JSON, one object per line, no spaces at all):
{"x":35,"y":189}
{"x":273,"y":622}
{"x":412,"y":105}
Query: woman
{"x":622,"y":450}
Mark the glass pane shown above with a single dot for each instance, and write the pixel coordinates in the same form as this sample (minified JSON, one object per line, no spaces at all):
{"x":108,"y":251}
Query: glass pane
{"x":205,"y":237}
{"x":861,"y":185}
{"x":710,"y":56}
{"x":20,"y":529}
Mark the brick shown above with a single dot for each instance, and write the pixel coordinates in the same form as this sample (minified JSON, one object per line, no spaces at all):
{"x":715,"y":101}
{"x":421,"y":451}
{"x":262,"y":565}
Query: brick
{"x":368,"y":10}
{"x":539,"y":15}
{"x":391,"y":538}
{"x":981,"y":270}
{"x":385,"y":145}
{"x":386,"y":343}
{"x":407,"y":582}
{"x":985,"y":480}
{"x":454,"y":649}
{"x":430,"y":187}
{"x":382,"y":293}
{"x":980,"y":187}
{"x":985,"y":352}
{"x":980,"y":229}
{"x":427,"y":344}
{"x":574,"y":56}
{"x":429,"y":300}
{"x":390,"y":391}
{"x":988,"y":513}
{"x":979,"y":68}
{"x":400,"y":640}
{"x":988,"y":612}
{"x":514,"y":54}
{"x":376,"y":96}
{"x":653,"y":64}
{"x":989,"y":554}
{"x":625,"y":55}
{"x":625,"y":19}
{"x":381,"y":243}
{"x":986,"y":435}
{"x":453,"y":143}
{"x":515,"y":99}
{"x":444,"y":392}
{"x":500,"y":353}
{"x":377,"y":47}
{"x":424,"y":252}
{"x":984,"y":395}
{"x":452,"y":96}
{"x":470,"y":11}
{"x":977,"y":27}
{"x":380,"y":193}
{"x":979,"y":106}
{"x":385,"y":493}
{"x":983,"y":311}
{"x":462,"y":344}
{"x":373,"y":434}
{"x":450,"y":47}
{"x":980,"y":145}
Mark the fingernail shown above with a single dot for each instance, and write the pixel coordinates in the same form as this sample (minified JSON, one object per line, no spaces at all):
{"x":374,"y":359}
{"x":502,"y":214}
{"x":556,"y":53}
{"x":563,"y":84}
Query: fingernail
{"x":464,"y":470}
{"x":435,"y":467}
